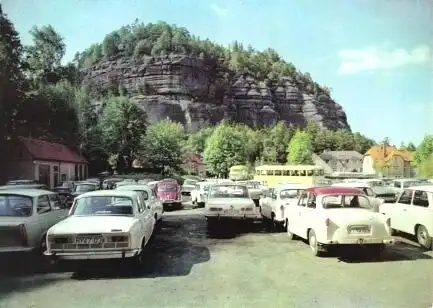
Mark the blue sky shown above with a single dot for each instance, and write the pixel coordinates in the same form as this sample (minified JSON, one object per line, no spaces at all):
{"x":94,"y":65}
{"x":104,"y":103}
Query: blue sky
{"x":376,"y":55}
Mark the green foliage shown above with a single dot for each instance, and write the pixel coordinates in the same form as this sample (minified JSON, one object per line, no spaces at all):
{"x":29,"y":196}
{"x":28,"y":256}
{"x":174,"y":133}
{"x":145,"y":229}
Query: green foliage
{"x":224,"y":148}
{"x":123,"y":125}
{"x":425,"y":168}
{"x":196,"y":142}
{"x":411,"y":147}
{"x":275,"y":141}
{"x":300,"y":149}
{"x":162,"y":145}
{"x":424,"y":150}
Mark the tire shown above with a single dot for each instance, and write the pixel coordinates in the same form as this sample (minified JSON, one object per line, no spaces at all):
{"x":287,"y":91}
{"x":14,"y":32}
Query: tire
{"x":211,"y":225}
{"x":423,"y":237}
{"x":137,"y":261}
{"x":314,"y":245}
{"x":200,"y":204}
{"x":290,"y":235}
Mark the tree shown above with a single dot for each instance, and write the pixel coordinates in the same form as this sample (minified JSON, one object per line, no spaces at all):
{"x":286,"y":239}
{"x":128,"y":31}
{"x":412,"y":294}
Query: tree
{"x":424,"y":150}
{"x":300,"y":149}
{"x":275,"y":144}
{"x":162,"y":145}
{"x":197,"y":141}
{"x":224,"y":149}
{"x":10,"y":79}
{"x":425,"y":168}
{"x":45,"y":55}
{"x":411,"y":147}
{"x":123,"y":125}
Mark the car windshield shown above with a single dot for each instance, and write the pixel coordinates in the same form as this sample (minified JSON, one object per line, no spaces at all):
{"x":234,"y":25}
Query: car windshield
{"x":84,"y":187}
{"x":166,"y":187}
{"x":346,"y":201}
{"x":189,"y":182}
{"x":411,"y":183}
{"x":290,"y":193}
{"x":16,"y":205}
{"x":228,"y":191}
{"x":103,"y":205}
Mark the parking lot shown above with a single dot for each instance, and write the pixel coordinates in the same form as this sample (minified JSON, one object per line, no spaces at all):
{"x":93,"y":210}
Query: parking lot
{"x":186,"y":267}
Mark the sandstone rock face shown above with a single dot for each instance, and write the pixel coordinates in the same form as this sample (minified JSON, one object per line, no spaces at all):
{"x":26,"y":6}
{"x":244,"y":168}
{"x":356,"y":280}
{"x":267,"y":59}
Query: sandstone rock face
{"x":185,"y":89}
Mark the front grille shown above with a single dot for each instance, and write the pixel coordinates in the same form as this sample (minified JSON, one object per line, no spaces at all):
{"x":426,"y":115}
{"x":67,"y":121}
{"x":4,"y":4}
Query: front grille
{"x":89,"y":246}
{"x":78,"y":242}
{"x":10,"y":237}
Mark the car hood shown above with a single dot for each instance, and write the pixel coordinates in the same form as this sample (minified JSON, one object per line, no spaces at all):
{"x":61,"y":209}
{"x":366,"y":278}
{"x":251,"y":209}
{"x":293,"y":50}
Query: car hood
{"x":228,"y":202}
{"x":92,"y":224}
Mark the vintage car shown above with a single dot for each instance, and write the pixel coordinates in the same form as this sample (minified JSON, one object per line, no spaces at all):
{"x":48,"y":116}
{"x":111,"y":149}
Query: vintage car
{"x":149,"y":196}
{"x":199,"y":193}
{"x":21,"y":182}
{"x":81,"y":188}
{"x":229,"y":201}
{"x":338,"y":217}
{"x":104,"y":224}
{"x":169,"y":193}
{"x":255,"y":190}
{"x":188,"y":186}
{"x":274,"y":203}
{"x":24,"y":186}
{"x":412,"y":213}
{"x":109,"y":183}
{"x":366,"y":189}
{"x":25,"y":217}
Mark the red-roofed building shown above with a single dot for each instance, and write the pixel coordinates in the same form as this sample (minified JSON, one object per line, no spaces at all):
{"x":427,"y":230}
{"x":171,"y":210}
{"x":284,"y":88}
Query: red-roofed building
{"x":193,"y":164}
{"x":47,"y":162}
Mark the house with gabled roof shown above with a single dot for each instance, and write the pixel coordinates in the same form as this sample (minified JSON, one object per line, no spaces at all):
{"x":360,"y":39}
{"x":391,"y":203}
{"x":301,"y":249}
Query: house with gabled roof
{"x":343,"y":161}
{"x":47,"y":162}
{"x":389,"y":161}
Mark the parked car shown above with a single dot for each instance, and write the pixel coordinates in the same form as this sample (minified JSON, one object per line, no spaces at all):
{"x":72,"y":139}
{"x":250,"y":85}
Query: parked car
{"x":229,"y":201}
{"x":199,"y":193}
{"x":149,"y":196}
{"x":273,"y":205}
{"x":65,"y":193}
{"x":255,"y":190}
{"x":95,"y":181}
{"x":188,"y":186}
{"x":24,"y":186}
{"x":81,"y":188}
{"x":104,"y":224}
{"x":169,"y":193}
{"x":25,"y":217}
{"x":412,"y":213}
{"x":365,"y":188}
{"x":109,"y":183}
{"x":338,"y":217}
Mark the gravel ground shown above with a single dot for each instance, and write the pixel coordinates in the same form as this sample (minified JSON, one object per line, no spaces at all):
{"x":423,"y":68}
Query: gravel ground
{"x":186,"y":267}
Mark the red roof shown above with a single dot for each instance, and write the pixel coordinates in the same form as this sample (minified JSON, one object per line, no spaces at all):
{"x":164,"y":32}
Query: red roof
{"x":335,"y":190}
{"x":43,"y":150}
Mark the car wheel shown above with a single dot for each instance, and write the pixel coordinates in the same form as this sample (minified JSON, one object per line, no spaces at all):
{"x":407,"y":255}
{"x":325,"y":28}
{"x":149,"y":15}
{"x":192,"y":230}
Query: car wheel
{"x":314,"y":245}
{"x":138,"y":260}
{"x":290,"y":235}
{"x":284,"y":225}
{"x":423,"y":237}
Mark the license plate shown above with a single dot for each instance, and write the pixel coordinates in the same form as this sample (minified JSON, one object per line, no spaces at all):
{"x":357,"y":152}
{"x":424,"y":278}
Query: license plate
{"x":90,"y":240}
{"x":359,"y":231}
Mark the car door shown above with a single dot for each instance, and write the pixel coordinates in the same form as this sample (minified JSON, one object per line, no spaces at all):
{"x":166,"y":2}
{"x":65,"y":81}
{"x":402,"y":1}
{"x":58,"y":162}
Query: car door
{"x":45,"y":213}
{"x":296,"y":220}
{"x":418,"y":212}
{"x":58,"y":210}
{"x":146,"y":216}
{"x":399,"y":211}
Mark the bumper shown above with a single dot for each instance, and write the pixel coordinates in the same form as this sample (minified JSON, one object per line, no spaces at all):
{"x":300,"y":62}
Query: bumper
{"x":16,"y":249}
{"x":234,"y":217}
{"x":361,"y":241}
{"x":170,"y":202}
{"x":92,"y":255}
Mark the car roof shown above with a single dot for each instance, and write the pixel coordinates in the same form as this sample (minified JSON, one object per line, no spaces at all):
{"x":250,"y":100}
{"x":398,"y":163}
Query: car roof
{"x":428,"y":188}
{"x":109,"y":192}
{"x":330,"y":190}
{"x":351,"y":184}
{"x":26,"y":192}
{"x":132,"y":187}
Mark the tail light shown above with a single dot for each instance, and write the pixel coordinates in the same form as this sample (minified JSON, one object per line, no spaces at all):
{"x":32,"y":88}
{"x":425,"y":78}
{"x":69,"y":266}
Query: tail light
{"x":388,"y":222}
{"x":327,"y":222}
{"x":23,"y":233}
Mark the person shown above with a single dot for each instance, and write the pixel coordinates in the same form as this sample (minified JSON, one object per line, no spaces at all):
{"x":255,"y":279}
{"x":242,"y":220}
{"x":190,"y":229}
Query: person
{"x":354,"y":202}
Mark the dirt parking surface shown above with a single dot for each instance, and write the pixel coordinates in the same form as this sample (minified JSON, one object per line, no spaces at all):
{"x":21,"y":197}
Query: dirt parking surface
{"x":185,"y":267}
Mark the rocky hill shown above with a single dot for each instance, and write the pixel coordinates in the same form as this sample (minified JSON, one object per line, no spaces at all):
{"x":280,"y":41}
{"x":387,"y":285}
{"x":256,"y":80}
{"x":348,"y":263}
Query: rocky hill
{"x":195,"y":91}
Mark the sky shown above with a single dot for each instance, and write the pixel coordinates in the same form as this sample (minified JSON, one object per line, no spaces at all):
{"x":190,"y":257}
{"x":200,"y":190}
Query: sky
{"x":375,"y":55}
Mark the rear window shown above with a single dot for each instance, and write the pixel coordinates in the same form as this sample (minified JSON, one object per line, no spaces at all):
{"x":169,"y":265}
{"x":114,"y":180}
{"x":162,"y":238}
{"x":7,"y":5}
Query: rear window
{"x":166,"y":187}
{"x":16,"y":205}
{"x":346,"y":201}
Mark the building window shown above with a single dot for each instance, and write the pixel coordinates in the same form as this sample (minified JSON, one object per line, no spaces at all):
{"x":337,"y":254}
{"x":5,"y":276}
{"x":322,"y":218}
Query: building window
{"x":76,"y":173}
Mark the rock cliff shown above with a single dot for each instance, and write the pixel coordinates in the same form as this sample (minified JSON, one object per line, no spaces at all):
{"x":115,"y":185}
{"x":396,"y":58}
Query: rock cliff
{"x":185,"y":89}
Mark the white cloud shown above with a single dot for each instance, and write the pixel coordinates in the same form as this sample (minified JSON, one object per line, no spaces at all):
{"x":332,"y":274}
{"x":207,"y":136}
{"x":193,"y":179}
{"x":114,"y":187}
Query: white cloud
{"x":375,"y":58}
{"x":219,"y":10}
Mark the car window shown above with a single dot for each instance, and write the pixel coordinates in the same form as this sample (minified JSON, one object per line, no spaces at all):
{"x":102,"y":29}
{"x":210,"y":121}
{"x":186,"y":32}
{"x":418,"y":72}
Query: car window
{"x":303,"y":199}
{"x":405,"y":197}
{"x":140,"y":205}
{"x":397,"y":185}
{"x":55,"y":200}
{"x":43,"y":204}
{"x":311,"y":203}
{"x":420,"y":198}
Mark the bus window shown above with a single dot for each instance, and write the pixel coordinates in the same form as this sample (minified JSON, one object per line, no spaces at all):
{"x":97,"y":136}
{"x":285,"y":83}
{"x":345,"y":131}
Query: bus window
{"x":257,"y":172}
{"x":294,"y":173}
{"x":309,"y":172}
{"x":263,"y":172}
{"x":269,"y":172}
{"x":321,"y":172}
{"x":316,"y":172}
{"x":277,"y":172}
{"x":286,"y":172}
{"x":303,"y":172}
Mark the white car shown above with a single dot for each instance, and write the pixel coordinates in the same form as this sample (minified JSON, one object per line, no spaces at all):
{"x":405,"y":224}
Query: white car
{"x":337,"y":217}
{"x":149,"y":196}
{"x":273,"y":205}
{"x":199,"y":193}
{"x":229,"y":202}
{"x":25,"y":217}
{"x":104,"y":224}
{"x":366,"y":189}
{"x":413,"y":213}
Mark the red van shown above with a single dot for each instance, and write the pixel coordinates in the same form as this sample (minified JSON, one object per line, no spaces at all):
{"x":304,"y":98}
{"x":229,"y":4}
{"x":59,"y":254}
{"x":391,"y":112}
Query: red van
{"x":169,"y":192}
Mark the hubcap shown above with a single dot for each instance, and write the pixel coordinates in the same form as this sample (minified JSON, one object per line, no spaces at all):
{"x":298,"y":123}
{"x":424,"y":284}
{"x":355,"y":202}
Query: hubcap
{"x":313,"y":242}
{"x":422,"y":236}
